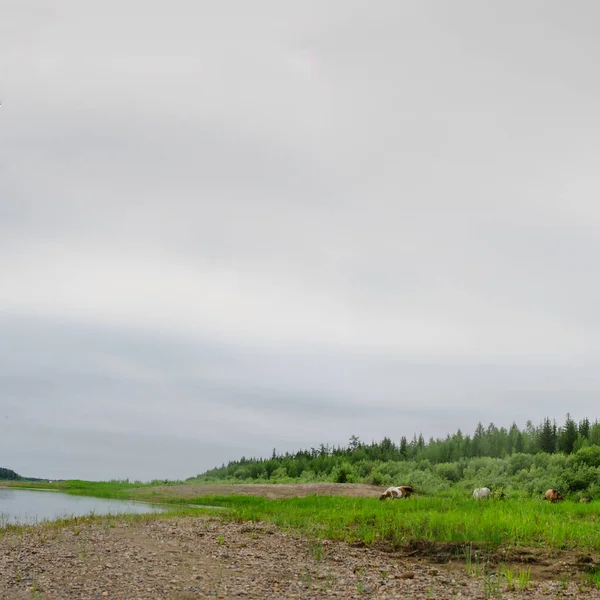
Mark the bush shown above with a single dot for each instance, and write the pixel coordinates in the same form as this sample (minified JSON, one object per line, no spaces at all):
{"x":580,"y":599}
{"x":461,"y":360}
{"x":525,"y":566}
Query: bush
{"x":364,"y":468}
{"x":589,"y":456}
{"x":241,"y":473}
{"x":279,"y":475}
{"x":519,"y":462}
{"x":427,"y":483}
{"x":581,"y":479}
{"x":377,"y":478}
{"x":449,"y":471}
{"x":343,"y":474}
{"x":538,"y":480}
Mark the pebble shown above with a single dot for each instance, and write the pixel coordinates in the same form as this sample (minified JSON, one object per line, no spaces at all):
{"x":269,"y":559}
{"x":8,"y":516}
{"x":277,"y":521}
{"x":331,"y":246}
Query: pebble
{"x":273,"y":566}
{"x":407,"y":575}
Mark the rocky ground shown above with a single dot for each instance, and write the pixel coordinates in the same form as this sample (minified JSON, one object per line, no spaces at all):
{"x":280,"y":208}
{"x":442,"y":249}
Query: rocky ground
{"x":206,"y":557}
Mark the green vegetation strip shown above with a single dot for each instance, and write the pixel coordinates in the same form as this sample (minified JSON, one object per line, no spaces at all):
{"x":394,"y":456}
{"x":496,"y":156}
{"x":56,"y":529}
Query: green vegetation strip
{"x":493,"y":524}
{"x":119,"y":490}
{"x":452,"y":518}
{"x":76,"y":524}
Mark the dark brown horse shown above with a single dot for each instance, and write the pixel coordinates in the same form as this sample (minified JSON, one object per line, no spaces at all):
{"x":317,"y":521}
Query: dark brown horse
{"x":553,"y":496}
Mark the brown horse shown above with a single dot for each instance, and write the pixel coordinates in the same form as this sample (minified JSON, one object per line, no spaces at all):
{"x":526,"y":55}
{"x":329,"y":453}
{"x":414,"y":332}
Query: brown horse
{"x":553,"y":496}
{"x":403,"y":491}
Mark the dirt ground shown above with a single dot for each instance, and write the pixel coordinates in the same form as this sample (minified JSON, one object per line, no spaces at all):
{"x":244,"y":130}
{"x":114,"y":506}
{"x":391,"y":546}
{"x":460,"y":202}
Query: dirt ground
{"x":206,"y":557}
{"x":272,"y":491}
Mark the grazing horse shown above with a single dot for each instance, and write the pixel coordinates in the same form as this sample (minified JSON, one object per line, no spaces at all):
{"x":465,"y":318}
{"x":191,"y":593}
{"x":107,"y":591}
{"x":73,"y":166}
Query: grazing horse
{"x":481,"y":493}
{"x":403,"y":491}
{"x":553,"y":496}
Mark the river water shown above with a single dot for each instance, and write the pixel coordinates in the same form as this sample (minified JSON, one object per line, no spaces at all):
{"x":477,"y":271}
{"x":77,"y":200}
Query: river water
{"x":29,"y":506}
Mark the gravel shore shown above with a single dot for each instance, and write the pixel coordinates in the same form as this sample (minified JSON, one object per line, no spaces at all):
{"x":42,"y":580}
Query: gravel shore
{"x":206,"y":557}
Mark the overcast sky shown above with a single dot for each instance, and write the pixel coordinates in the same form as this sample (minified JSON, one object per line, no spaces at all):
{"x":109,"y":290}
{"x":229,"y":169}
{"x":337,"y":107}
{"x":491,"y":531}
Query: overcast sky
{"x":232,"y":226}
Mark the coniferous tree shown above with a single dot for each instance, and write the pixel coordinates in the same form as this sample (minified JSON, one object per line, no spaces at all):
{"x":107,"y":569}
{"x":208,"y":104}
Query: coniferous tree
{"x":547,"y":437}
{"x":477,"y":442}
{"x":568,"y":435}
{"x":354,"y":442}
{"x":451,"y":453}
{"x":584,"y":428}
{"x":403,"y":446}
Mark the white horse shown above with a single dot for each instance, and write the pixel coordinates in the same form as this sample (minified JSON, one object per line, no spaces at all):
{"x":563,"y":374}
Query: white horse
{"x":481,"y":493}
{"x":402,"y":491}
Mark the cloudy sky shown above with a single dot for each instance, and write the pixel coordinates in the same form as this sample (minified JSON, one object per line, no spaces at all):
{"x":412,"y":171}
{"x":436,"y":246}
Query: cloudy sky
{"x":229,"y":226}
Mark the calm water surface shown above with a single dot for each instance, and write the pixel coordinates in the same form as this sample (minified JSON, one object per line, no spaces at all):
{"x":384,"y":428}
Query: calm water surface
{"x":28,"y":506}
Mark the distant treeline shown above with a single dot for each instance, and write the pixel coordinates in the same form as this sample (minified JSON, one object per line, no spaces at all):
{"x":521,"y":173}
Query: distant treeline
{"x":529,"y":460}
{"x":8,"y":474}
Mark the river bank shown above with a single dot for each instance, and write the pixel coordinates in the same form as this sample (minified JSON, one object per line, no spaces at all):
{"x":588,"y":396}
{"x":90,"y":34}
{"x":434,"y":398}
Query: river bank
{"x":150,"y":557}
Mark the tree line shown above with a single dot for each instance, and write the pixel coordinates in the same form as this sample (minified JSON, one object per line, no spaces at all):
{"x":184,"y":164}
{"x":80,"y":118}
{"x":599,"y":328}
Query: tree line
{"x":8,"y":474}
{"x":495,"y":454}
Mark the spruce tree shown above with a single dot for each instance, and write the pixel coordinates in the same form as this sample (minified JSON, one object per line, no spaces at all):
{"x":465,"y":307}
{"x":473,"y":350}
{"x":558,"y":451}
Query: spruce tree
{"x":403,"y":446}
{"x":568,"y":435}
{"x":547,"y":437}
{"x":584,"y":428}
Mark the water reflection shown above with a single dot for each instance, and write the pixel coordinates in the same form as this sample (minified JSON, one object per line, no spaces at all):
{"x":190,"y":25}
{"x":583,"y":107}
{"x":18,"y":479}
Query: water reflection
{"x":29,"y":506}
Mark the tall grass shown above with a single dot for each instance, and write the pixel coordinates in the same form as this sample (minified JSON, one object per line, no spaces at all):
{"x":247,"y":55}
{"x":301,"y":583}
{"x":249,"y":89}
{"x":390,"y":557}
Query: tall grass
{"x":448,"y":520}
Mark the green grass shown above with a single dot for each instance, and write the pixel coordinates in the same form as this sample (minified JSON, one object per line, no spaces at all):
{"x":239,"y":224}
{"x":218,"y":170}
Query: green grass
{"x":593,"y":577}
{"x":450,"y":520}
{"x":453,"y":518}
{"x":99,"y":489}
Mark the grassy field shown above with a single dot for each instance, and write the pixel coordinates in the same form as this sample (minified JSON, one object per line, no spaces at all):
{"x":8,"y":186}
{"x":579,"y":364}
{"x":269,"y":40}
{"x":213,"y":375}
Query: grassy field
{"x":453,"y":518}
{"x":98,"y":489}
{"x":449,"y":520}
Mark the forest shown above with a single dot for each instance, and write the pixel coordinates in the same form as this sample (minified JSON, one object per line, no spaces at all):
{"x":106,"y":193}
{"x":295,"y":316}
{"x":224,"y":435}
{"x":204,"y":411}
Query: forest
{"x":8,"y":474}
{"x":526,"y":461}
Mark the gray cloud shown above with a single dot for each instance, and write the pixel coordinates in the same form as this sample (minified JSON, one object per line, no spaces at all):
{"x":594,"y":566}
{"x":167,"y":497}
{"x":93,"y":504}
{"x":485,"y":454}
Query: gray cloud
{"x":215,"y":221}
{"x":61,"y":381}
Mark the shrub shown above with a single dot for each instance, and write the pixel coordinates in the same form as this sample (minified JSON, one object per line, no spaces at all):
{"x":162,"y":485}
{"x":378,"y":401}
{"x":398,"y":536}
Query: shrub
{"x":449,"y":471}
{"x":589,"y":456}
{"x":519,"y":462}
{"x":279,"y":475}
{"x":377,"y":478}
{"x":241,"y":473}
{"x":343,"y":474}
{"x":581,"y":478}
{"x":364,"y":468}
